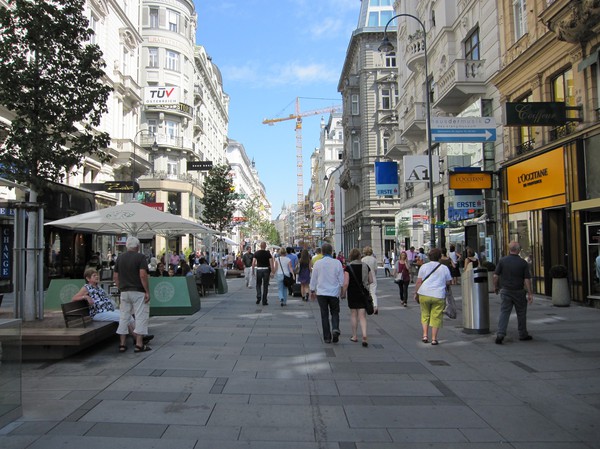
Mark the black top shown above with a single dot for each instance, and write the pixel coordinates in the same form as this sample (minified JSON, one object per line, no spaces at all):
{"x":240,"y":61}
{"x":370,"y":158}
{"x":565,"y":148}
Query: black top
{"x":128,"y":268}
{"x":355,"y":289}
{"x":513,"y":271}
{"x":263,"y":257}
{"x":247,"y":259}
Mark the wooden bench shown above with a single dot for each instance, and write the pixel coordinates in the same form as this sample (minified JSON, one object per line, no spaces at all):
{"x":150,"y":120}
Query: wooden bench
{"x":55,"y":343}
{"x":78,"y":310}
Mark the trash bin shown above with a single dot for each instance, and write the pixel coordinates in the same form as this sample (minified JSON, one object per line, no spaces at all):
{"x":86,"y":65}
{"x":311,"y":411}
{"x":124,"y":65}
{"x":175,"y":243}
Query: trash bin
{"x":475,"y":301}
{"x":221,"y":281}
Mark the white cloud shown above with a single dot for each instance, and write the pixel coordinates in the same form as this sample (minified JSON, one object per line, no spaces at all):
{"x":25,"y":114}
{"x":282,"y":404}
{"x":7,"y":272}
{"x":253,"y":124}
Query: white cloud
{"x":291,"y":73}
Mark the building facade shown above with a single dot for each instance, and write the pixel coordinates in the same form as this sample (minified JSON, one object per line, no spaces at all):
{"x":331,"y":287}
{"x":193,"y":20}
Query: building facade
{"x":249,"y":190}
{"x":550,"y":192}
{"x":462,"y":50}
{"x":370,"y":93}
{"x":184,"y":114}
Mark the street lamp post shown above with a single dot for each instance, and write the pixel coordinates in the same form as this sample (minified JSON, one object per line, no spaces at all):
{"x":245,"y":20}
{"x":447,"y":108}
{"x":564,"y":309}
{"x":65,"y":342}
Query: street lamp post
{"x":386,"y":47}
{"x":154,"y":148}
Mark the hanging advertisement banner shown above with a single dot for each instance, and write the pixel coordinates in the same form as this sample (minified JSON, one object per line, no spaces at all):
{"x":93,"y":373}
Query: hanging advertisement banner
{"x":386,"y":178}
{"x":416,"y":169}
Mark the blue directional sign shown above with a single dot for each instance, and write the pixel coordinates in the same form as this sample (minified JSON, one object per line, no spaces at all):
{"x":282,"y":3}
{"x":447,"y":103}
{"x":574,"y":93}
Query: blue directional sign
{"x":463,"y":129}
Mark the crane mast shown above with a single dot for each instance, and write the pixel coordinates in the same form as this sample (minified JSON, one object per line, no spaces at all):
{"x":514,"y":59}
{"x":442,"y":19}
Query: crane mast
{"x":299,"y":165}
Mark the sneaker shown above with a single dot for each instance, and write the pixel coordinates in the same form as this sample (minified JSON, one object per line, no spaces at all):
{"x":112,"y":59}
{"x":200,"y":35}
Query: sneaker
{"x":499,"y":340}
{"x":526,"y":338}
{"x":336,"y":336}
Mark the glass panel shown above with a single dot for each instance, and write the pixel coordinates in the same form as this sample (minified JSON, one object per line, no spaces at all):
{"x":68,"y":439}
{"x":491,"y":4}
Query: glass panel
{"x":10,"y":371}
{"x":373,"y":19}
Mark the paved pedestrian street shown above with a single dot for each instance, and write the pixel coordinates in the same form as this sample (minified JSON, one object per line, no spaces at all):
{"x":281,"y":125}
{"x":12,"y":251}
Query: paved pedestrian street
{"x":240,"y":375}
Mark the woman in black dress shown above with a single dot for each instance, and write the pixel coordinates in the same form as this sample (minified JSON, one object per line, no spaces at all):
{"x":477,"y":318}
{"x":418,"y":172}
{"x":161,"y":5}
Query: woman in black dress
{"x":355,"y":274}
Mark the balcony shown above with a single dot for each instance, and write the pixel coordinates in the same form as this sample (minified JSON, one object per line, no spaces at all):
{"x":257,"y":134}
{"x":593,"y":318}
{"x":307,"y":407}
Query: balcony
{"x":464,"y":78}
{"x":414,"y":54}
{"x":174,"y":142}
{"x":197,"y":93}
{"x":198,"y":125}
{"x":397,"y":146}
{"x":413,"y":122}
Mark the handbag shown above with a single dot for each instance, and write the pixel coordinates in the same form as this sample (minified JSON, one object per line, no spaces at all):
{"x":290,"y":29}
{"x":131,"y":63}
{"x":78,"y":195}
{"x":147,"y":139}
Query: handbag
{"x":288,"y":281}
{"x":402,"y":276}
{"x":450,"y":309}
{"x":426,"y":277}
{"x":366,"y":294}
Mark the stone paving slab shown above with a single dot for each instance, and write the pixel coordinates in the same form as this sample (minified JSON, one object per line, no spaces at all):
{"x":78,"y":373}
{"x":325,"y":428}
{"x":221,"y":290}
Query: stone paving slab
{"x":237,"y":375}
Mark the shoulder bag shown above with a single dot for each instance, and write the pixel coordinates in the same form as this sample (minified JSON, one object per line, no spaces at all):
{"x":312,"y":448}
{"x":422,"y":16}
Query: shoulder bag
{"x":366,"y":295}
{"x":427,"y":277}
{"x":288,"y":281}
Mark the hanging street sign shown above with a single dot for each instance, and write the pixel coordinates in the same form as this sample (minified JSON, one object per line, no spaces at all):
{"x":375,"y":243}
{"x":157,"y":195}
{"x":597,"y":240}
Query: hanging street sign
{"x":463,"y":129}
{"x":199,"y":165}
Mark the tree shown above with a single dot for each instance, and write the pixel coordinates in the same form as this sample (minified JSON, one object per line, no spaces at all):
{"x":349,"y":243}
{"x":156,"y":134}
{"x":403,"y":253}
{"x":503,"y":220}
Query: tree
{"x":51,"y":80}
{"x":219,"y":199}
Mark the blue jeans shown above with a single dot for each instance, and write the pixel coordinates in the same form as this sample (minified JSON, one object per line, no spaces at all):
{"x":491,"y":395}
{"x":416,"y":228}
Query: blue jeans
{"x":329,"y":304}
{"x":518,"y":299}
{"x":262,"y":280}
{"x":283,"y":290}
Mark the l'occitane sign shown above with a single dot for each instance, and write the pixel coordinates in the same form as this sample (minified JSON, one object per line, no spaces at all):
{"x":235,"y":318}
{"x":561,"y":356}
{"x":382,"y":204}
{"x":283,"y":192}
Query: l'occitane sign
{"x":470,"y":180}
{"x":538,"y":179}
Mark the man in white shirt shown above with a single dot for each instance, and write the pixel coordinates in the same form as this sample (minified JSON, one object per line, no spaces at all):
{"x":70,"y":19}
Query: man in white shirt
{"x":326,"y":283}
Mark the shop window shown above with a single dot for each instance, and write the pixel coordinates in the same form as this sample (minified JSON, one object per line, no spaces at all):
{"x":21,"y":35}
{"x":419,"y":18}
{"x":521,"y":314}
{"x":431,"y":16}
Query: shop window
{"x":174,"y":203}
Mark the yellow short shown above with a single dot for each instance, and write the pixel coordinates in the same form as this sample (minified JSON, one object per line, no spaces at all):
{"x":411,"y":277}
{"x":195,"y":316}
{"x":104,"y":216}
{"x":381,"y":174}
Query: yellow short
{"x":432,"y":311}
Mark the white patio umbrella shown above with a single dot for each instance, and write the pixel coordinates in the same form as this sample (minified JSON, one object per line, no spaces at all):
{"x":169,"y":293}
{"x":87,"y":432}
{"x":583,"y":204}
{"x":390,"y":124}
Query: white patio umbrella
{"x":132,"y":218}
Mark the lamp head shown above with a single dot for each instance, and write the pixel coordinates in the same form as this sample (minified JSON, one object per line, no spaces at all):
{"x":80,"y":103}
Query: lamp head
{"x":386,"y":46}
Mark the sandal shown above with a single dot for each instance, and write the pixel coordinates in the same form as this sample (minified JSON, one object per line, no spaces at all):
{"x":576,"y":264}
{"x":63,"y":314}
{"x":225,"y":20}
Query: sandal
{"x":354,"y":339}
{"x":122,"y":348}
{"x":364,"y":343}
{"x":434,"y":342}
{"x":142,"y":348}
{"x":425,"y":339}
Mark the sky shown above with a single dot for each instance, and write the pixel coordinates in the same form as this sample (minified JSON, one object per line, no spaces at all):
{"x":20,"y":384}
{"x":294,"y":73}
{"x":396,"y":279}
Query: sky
{"x":270,"y":52}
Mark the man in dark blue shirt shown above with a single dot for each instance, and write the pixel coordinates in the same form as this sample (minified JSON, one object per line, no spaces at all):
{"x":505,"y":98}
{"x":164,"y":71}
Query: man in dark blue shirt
{"x":513,"y":273}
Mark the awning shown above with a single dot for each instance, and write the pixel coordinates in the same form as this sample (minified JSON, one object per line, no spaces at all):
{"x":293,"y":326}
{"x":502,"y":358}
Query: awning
{"x":229,"y":241}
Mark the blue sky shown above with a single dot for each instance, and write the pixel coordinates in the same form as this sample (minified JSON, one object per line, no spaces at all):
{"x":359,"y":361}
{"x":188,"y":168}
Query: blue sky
{"x":270,"y":52}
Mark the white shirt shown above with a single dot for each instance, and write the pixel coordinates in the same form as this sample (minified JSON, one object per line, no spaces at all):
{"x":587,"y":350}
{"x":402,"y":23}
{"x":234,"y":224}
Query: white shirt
{"x":327,"y":277}
{"x":435,"y":285}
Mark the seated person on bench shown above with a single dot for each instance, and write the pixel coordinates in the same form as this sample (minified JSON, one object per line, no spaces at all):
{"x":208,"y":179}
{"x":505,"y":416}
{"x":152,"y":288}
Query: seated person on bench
{"x":101,"y":306}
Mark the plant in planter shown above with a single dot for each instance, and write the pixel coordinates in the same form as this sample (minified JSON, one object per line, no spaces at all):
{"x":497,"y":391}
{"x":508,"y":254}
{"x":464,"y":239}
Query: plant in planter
{"x":561,"y":296}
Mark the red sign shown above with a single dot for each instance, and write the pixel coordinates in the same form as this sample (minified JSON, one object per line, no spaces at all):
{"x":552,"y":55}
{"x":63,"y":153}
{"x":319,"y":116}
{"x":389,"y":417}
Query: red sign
{"x":157,"y":206}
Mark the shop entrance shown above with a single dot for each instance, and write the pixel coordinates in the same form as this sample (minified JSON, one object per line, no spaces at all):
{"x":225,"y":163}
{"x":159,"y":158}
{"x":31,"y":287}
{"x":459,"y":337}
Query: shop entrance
{"x":593,"y":259}
{"x":555,"y":242}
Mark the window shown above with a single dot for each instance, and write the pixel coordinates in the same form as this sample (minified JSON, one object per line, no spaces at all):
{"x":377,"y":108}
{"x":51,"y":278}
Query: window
{"x":563,"y":89}
{"x":172,"y":171}
{"x":386,"y":142}
{"x":152,"y":127}
{"x":520,"y":18}
{"x":124,"y":62}
{"x":173,"y":20}
{"x":154,"y":23}
{"x":172,"y":129}
{"x":172,"y":62}
{"x":355,"y":108}
{"x":386,"y":99}
{"x":525,"y":139}
{"x":355,"y":147}
{"x":380,"y":3}
{"x":380,"y":18}
{"x":390,"y":59}
{"x":152,"y":57}
{"x":472,"y":46}
{"x":94,"y":28}
{"x":340,"y":155}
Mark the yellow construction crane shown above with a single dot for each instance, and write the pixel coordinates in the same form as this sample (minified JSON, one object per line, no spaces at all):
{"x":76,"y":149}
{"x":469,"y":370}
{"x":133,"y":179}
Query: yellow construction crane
{"x":298,"y":116}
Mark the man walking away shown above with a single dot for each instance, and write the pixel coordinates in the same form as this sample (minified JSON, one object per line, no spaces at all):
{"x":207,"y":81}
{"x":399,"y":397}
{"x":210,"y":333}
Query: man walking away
{"x":513,"y":273}
{"x":262,"y":268}
{"x":326,"y":284}
{"x":247,"y":261}
{"x":131,"y":278}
